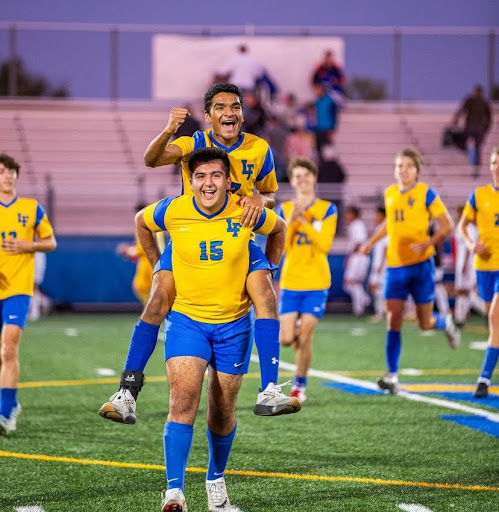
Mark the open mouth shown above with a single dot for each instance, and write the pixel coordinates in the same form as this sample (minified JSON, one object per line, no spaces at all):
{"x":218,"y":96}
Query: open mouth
{"x":209,"y":194}
{"x":229,"y":124}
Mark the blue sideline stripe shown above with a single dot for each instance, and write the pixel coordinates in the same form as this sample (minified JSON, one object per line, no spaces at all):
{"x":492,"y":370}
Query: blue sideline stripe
{"x":475,"y":422}
{"x":350,"y":388}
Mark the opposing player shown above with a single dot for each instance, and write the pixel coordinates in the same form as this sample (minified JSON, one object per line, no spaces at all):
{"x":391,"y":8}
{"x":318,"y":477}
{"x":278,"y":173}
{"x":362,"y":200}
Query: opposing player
{"x":482,"y":209}
{"x":24,"y":230}
{"x":252,"y":166}
{"x":306,"y":277}
{"x":410,"y":206}
{"x":209,"y":325}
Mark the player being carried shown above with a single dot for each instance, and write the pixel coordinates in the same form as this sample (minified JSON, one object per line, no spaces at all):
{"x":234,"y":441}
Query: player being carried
{"x":252,"y":166}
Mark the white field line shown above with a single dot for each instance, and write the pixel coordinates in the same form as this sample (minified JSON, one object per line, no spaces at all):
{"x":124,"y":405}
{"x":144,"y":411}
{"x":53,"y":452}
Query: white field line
{"x":412,"y":507}
{"x":404,"y":394}
{"x":30,"y":509}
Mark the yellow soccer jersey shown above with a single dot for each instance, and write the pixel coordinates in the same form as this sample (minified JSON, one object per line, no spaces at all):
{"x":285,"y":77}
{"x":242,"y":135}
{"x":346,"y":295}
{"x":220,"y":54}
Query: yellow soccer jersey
{"x":210,"y":256}
{"x":306,"y":266}
{"x":251,"y":162}
{"x":22,"y":218}
{"x":408,"y":217}
{"x":482,"y":208}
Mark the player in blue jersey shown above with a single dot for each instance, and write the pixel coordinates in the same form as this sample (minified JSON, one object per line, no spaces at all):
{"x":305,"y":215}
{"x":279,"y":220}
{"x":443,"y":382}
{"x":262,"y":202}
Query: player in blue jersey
{"x":209,"y":325}
{"x":252,"y":166}
{"x":482,"y":209}
{"x":24,"y":230}
{"x":410,"y":205}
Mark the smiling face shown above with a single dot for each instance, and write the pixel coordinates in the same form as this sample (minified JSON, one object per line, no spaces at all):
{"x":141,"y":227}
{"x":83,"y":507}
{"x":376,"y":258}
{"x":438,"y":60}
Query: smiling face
{"x":225,"y":117}
{"x":210,"y":185}
{"x":303,"y":180}
{"x":406,"y":171}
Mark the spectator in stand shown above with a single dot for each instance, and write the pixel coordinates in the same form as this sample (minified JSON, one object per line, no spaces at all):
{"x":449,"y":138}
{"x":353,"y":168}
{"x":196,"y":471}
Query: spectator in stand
{"x":357,"y":264}
{"x":254,"y":114}
{"x":275,"y":134}
{"x":242,"y":69}
{"x":478,"y":118}
{"x":288,"y":112}
{"x":330,"y":74}
{"x":324,"y":124}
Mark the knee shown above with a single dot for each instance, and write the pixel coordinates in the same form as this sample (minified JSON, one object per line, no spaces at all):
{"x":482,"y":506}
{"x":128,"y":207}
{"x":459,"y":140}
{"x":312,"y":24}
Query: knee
{"x":286,"y":340}
{"x":8,"y":353}
{"x":157,"y":306}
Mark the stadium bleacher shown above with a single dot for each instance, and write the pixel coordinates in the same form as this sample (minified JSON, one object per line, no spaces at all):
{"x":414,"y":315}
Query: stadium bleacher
{"x":88,"y":156}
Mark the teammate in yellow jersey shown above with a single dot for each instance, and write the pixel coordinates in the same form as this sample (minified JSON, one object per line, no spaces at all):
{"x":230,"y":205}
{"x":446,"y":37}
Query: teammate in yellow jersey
{"x":24,"y":230}
{"x":209,"y":325}
{"x":306,"y":277}
{"x":410,"y":206}
{"x":142,"y":280}
{"x":252,"y":166}
{"x":482,"y":209}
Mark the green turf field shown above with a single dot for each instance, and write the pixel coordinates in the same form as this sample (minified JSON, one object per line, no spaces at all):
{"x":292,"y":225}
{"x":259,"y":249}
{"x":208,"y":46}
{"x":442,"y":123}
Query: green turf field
{"x":345,"y":451}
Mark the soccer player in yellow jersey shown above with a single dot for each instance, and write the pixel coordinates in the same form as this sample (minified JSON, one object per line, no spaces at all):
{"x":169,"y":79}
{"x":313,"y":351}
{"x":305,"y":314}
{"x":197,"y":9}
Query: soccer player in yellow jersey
{"x":252,"y":166}
{"x":305,"y":277}
{"x":209,"y":325}
{"x":482,"y":209}
{"x":24,"y":230}
{"x":410,"y":206}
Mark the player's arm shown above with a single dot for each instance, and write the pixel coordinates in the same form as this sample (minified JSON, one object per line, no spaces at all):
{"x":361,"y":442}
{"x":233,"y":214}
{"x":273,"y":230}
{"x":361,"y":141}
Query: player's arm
{"x":19,"y":245}
{"x":375,"y":237}
{"x":253,"y":207}
{"x":472,"y":246}
{"x":146,"y":238}
{"x":275,"y":242}
{"x":159,"y":152}
{"x":445,"y":227}
{"x":324,"y":238}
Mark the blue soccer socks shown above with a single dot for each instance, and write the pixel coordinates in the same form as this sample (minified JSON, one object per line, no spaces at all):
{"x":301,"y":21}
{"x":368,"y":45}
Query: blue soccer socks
{"x":142,"y":344}
{"x":267,"y":344}
{"x":177,"y":443}
{"x":393,"y":348}
{"x":8,"y":400}
{"x":219,"y":448}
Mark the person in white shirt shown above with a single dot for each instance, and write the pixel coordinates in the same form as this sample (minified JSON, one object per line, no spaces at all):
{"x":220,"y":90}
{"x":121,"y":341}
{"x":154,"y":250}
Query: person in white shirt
{"x":242,"y":69}
{"x":377,"y":274}
{"x":357,"y":264}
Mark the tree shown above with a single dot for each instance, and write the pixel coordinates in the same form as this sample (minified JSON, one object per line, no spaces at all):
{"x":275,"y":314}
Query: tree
{"x":27,"y":83}
{"x":367,"y":89}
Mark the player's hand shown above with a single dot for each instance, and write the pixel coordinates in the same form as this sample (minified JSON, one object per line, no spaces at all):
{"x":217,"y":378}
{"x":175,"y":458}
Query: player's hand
{"x":3,"y":282}
{"x":366,"y":248}
{"x":419,"y":247}
{"x":17,"y":246}
{"x":297,"y":212}
{"x":253,"y":208}
{"x":481,"y":249}
{"x":177,"y":118}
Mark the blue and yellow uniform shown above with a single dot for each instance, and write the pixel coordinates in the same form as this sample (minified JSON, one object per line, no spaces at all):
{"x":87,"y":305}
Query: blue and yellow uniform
{"x":306,"y":276}
{"x":408,"y":216}
{"x":21,"y":218}
{"x":482,"y":208}
{"x":210,"y":258}
{"x":251,"y":161}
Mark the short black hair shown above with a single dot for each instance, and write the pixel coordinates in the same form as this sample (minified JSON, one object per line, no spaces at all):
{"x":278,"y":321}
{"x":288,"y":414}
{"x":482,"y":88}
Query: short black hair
{"x":217,"y":88}
{"x":9,"y":162}
{"x":205,"y":155}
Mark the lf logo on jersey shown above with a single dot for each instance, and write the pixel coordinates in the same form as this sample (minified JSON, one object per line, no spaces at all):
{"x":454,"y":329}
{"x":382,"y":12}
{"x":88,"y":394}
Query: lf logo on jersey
{"x":22,"y":219}
{"x":247,"y":168}
{"x":233,"y":227}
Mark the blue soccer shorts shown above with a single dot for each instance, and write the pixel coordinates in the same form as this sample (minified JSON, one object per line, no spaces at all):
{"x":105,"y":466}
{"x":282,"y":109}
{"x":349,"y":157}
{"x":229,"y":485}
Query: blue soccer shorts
{"x":226,"y":346}
{"x":417,"y":280}
{"x":303,"y":302}
{"x":14,"y":310}
{"x":488,"y":284}
{"x":257,"y":259}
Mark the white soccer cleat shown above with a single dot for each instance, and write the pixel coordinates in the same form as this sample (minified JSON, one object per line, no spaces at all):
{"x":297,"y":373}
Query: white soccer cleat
{"x":389,"y":383}
{"x":452,"y":333}
{"x":8,"y":425}
{"x":173,"y":500}
{"x":120,"y":408}
{"x":218,"y":499}
{"x":273,"y":402}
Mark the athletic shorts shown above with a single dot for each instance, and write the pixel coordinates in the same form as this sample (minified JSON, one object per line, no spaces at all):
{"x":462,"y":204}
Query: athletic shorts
{"x":257,"y":259}
{"x":303,"y":302}
{"x":417,"y":280}
{"x":14,"y":310}
{"x":226,"y":346}
{"x":488,"y":284}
